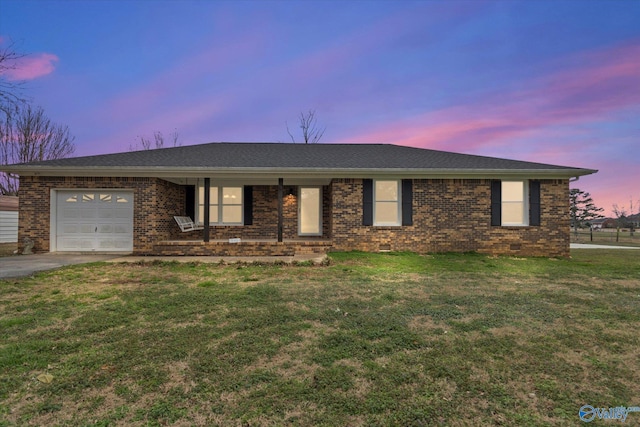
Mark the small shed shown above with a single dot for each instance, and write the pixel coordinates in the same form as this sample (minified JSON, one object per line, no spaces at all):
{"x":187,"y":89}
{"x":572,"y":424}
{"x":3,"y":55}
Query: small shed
{"x":8,"y":219}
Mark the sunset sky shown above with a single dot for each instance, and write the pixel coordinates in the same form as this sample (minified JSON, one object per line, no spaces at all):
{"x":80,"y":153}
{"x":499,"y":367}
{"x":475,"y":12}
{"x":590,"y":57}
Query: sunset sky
{"x":546,"y":81}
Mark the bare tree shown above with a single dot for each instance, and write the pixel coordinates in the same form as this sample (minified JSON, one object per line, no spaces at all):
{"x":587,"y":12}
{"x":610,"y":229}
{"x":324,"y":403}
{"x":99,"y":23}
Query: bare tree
{"x":311,"y":132}
{"x":28,"y":135}
{"x":157,"y":141}
{"x":625,"y":218}
{"x":621,"y":218}
{"x":10,"y":91}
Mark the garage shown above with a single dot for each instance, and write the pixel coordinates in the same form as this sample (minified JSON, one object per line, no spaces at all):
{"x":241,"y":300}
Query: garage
{"x":94,"y":220}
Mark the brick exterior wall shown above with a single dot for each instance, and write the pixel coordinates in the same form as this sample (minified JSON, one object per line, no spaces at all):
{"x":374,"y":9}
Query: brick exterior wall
{"x":448,"y":215}
{"x":156,"y":202}
{"x":157,"y":199}
{"x":452,"y":216}
{"x":265,"y":218}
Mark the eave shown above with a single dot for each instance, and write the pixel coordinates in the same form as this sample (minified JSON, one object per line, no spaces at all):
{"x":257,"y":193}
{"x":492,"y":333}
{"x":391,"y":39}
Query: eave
{"x":270,"y":173}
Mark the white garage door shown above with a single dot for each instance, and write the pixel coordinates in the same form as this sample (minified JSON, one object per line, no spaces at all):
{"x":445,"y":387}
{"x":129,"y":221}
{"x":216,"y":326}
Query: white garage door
{"x":94,"y":220}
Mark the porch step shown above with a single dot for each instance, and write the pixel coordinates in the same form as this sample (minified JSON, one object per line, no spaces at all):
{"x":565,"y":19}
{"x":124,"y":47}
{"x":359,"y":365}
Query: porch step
{"x":242,"y":248}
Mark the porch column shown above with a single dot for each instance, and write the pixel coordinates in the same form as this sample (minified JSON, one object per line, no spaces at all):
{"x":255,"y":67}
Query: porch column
{"x":207,"y":202}
{"x":280,"y":197}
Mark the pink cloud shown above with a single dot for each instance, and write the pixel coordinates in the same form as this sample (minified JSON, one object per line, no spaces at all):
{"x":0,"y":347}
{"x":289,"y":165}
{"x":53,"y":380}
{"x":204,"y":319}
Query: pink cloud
{"x":551,"y":119}
{"x":602,"y":83}
{"x":31,"y":67}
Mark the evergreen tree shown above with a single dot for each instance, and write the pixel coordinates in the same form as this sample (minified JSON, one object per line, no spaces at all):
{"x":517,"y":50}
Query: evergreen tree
{"x":582,"y":209}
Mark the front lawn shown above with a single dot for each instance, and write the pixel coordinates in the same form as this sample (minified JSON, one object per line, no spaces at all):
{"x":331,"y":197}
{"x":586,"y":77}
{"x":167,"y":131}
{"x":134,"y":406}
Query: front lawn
{"x":372,"y":339}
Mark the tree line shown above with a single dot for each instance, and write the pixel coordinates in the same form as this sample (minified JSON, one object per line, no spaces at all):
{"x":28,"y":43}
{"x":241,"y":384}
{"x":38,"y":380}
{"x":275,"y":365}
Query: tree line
{"x":27,"y":134}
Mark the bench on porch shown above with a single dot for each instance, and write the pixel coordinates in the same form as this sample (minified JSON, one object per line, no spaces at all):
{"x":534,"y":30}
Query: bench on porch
{"x":186,"y":224}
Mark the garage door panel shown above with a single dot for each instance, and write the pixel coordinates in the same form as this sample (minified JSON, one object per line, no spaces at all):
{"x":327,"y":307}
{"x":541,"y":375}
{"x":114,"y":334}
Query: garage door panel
{"x":70,"y":213}
{"x":105,"y":213}
{"x":100,"y":220}
{"x":122,"y":229}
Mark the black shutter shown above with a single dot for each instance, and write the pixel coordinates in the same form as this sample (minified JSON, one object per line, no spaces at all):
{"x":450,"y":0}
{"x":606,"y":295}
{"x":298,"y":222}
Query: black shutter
{"x":496,"y":202}
{"x":190,"y":201}
{"x":367,"y":202}
{"x":407,"y":202}
{"x":248,"y":204}
{"x":534,"y":202}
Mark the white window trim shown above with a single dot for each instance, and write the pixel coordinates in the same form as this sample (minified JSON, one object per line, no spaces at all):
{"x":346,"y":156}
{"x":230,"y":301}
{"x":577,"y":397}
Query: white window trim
{"x":300,"y":188}
{"x":399,"y":204}
{"x":525,"y":205}
{"x":219,"y":204}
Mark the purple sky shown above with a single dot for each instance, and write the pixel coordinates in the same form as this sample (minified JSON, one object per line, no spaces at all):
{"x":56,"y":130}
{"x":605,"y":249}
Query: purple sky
{"x":546,"y":81}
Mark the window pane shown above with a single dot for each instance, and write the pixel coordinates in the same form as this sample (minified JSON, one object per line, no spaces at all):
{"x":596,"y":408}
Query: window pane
{"x":512,"y":191}
{"x":231,"y":214}
{"x":386,"y":190}
{"x":386,"y":213}
{"x":513,"y":213}
{"x":213,"y":214}
{"x":232,"y":195}
{"x":213,"y":195}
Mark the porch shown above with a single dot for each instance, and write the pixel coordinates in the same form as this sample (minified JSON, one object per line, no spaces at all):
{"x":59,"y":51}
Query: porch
{"x":242,"y":247}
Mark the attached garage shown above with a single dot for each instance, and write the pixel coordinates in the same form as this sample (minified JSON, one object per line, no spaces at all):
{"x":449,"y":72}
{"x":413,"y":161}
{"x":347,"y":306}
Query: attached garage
{"x":92,"y":220}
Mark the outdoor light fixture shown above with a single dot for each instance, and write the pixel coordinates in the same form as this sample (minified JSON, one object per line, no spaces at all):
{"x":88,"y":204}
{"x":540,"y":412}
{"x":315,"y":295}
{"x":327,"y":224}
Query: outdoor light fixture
{"x":291,"y":191}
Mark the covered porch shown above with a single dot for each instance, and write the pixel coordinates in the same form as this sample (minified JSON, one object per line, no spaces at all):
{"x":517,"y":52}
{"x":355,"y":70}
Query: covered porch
{"x":249,"y":217}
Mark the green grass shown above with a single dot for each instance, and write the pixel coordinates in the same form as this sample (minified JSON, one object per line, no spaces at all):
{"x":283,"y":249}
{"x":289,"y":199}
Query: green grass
{"x":372,"y":339}
{"x":607,"y":237}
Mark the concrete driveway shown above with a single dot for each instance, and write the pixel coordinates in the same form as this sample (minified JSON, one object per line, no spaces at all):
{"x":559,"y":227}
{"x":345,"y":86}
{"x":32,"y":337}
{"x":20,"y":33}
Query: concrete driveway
{"x":25,"y":265}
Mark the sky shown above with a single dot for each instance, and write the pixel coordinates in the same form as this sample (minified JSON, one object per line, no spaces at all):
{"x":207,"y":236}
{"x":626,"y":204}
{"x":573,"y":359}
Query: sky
{"x":545,"y":81}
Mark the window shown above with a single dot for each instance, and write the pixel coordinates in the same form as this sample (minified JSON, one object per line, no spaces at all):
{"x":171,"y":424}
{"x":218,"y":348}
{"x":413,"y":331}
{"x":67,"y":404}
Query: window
{"x":392,"y":202}
{"x":514,"y":206}
{"x":225,"y":205}
{"x":386,"y":196}
{"x":515,"y":203}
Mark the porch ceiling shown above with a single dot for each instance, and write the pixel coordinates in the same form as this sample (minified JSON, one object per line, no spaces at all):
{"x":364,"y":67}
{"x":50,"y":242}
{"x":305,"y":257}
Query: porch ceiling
{"x":250,"y":181}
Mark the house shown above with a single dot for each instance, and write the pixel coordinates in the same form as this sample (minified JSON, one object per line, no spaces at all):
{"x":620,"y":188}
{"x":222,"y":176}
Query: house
{"x":8,"y":219}
{"x":281,"y":199}
{"x":633,"y":220}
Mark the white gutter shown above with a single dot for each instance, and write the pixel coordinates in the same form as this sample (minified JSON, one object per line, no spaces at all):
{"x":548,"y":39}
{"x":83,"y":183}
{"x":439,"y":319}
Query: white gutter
{"x":165,"y":172}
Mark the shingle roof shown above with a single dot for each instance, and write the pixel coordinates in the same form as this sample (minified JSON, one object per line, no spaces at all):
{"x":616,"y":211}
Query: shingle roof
{"x":286,"y":156}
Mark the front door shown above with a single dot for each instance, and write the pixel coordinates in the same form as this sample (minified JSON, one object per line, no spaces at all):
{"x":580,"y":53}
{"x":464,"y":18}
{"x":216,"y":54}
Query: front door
{"x":310,"y":211}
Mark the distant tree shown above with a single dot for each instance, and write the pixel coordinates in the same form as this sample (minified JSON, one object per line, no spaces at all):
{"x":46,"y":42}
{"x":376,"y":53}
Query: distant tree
{"x":621,"y":219}
{"x":10,"y":91}
{"x":624,"y":217}
{"x":157,"y":141}
{"x":311,"y":132}
{"x":582,"y":209}
{"x":28,"y":135}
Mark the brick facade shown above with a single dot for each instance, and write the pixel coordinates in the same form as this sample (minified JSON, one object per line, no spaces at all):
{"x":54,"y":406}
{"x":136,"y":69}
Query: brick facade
{"x":448,"y":215}
{"x":452,"y":215}
{"x":157,"y":199}
{"x":265,"y":218}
